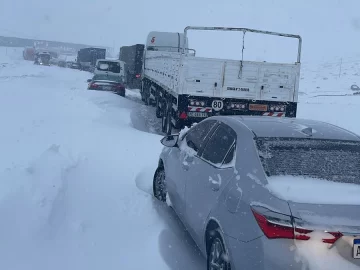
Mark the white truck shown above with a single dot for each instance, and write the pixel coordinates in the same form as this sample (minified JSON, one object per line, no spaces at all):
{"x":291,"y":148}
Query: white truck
{"x":185,"y":88}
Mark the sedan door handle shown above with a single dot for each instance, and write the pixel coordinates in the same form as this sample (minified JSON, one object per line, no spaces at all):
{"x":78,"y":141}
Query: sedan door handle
{"x":186,"y":167}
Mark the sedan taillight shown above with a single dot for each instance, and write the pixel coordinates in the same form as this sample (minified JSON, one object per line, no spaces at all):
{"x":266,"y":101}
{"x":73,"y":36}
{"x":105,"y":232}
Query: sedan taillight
{"x":119,"y":86}
{"x":275,"y":225}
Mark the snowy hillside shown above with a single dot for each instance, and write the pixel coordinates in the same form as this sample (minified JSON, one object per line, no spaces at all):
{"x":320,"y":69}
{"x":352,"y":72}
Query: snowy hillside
{"x":325,"y":92}
{"x":76,"y":168}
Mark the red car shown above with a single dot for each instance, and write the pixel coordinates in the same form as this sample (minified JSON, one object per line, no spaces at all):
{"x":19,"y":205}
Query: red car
{"x":106,"y":82}
{"x":29,"y":54}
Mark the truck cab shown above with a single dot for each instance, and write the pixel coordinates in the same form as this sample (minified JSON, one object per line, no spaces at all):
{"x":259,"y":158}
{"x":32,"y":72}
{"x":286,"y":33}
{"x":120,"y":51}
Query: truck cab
{"x":166,"y":41}
{"x":42,"y":58}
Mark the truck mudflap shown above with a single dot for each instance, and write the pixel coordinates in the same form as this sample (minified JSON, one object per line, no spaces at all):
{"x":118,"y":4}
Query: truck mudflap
{"x":195,"y":108}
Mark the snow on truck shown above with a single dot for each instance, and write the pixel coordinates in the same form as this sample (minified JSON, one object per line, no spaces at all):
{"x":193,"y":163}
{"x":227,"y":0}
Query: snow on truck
{"x":185,"y":88}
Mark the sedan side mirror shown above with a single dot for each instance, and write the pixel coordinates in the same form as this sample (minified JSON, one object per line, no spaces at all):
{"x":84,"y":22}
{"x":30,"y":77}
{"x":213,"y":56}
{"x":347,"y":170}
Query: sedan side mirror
{"x":89,"y":80}
{"x":170,"y":140}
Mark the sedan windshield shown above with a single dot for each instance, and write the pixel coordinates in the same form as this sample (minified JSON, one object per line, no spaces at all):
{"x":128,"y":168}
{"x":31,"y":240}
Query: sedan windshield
{"x":337,"y":161}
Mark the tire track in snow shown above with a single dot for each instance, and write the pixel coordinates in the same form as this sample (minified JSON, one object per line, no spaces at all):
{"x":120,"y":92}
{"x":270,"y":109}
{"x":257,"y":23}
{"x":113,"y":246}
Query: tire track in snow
{"x":50,"y":174}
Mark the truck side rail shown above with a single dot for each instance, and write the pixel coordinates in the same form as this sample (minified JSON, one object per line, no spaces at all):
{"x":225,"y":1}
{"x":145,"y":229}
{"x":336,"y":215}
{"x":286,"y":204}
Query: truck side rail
{"x":244,"y":30}
{"x":155,"y":48}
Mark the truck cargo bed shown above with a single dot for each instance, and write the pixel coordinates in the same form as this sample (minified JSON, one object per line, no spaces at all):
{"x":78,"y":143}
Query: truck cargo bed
{"x":199,"y":76}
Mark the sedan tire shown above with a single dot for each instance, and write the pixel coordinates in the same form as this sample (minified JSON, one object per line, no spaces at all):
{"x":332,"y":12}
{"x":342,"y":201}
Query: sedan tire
{"x":217,"y":257}
{"x":159,"y":187}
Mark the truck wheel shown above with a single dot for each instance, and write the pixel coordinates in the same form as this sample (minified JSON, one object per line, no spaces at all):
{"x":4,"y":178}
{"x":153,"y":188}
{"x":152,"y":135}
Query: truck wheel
{"x":158,"y":111}
{"x":179,"y":124}
{"x":147,"y":99}
{"x":163,"y":120}
{"x":142,"y":91}
{"x":169,"y":124}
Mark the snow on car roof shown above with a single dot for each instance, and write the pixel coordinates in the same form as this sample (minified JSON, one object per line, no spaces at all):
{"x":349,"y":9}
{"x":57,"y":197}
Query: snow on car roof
{"x":264,"y":126}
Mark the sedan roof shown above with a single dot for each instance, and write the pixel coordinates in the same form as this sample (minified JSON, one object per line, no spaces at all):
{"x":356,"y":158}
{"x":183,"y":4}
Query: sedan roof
{"x":264,"y":126}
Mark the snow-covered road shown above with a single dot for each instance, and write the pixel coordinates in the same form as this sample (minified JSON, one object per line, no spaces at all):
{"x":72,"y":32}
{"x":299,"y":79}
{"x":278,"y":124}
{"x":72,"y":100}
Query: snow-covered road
{"x":75,"y":177}
{"x":76,"y":168}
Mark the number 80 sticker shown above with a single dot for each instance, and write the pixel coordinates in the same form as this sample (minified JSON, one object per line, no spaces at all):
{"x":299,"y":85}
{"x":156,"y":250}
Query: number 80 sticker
{"x":217,"y":105}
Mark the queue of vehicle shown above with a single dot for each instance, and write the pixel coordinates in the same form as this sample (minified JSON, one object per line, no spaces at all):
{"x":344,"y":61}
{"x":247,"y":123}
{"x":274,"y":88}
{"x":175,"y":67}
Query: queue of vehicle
{"x":239,"y":135}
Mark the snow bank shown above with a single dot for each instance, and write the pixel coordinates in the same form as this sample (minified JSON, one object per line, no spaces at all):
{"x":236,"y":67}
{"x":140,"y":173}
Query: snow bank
{"x":71,"y":196}
{"x":310,"y":190}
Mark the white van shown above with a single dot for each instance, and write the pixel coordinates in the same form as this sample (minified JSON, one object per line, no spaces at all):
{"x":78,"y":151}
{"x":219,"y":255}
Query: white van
{"x":111,"y":67}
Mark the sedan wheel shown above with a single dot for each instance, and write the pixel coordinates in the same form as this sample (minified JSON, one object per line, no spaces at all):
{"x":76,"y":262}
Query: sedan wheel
{"x":217,"y":258}
{"x":159,"y":187}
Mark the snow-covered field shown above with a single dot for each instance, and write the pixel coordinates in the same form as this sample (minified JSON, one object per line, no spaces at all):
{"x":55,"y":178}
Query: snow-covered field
{"x":76,"y":169}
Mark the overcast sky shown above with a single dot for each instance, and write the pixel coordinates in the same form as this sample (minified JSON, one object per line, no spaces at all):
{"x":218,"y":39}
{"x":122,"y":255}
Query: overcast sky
{"x":328,"y":27}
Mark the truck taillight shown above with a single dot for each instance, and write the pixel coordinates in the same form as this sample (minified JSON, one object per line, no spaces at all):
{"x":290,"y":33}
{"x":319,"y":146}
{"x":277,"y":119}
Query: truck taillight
{"x":237,"y":106}
{"x":183,"y":115}
{"x":277,"y":108}
{"x":194,"y":102}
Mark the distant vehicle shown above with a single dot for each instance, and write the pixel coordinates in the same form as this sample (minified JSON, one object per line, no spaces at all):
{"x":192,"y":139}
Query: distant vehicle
{"x":186,"y":89}
{"x":61,"y":63}
{"x":29,"y":54}
{"x":133,"y":58}
{"x":54,"y":54}
{"x":110,"y":67}
{"x":54,"y":61}
{"x":42,"y":58}
{"x":249,"y":189}
{"x":105,"y":82}
{"x":87,"y":57}
{"x":73,"y":65}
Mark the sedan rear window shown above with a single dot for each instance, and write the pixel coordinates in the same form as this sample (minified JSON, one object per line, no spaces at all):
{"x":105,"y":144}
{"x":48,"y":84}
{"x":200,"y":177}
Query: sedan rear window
{"x":109,"y":66}
{"x":337,"y":161}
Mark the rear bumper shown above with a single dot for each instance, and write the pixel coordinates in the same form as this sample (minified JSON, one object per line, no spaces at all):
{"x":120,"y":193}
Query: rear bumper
{"x":118,"y":91}
{"x":247,"y":107}
{"x":263,"y":254}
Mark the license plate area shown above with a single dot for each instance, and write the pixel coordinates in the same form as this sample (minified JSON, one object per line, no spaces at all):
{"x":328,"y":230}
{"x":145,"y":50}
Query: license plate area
{"x":106,"y":87}
{"x":258,"y":107}
{"x":197,"y":114}
{"x":356,"y":248}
